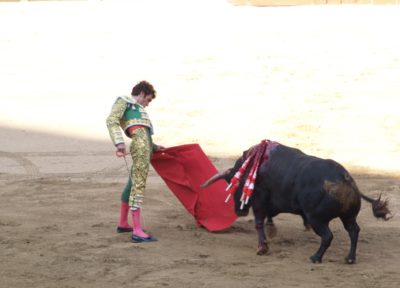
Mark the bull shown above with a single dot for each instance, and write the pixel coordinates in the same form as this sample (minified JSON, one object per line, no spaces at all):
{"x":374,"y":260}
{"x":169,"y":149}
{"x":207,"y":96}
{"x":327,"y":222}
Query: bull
{"x":319,"y":190}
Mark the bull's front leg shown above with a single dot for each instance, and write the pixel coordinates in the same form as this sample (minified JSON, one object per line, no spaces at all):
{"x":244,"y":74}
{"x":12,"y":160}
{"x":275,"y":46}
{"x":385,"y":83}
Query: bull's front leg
{"x":262,"y":238}
{"x":271,"y":228}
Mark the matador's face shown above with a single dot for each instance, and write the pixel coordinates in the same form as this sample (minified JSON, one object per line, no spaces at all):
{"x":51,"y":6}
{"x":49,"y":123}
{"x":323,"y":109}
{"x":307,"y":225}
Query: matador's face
{"x":144,"y":100}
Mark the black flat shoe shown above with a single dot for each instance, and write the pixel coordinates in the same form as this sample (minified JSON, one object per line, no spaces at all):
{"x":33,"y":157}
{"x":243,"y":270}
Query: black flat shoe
{"x":138,"y":239}
{"x":124,"y":230}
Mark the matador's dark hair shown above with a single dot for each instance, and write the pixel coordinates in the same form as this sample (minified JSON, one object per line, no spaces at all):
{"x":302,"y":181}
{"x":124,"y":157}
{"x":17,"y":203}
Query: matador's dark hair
{"x":145,"y":87}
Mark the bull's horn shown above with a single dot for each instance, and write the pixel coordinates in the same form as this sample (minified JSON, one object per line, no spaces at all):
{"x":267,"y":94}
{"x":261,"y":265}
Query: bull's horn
{"x":214,"y":178}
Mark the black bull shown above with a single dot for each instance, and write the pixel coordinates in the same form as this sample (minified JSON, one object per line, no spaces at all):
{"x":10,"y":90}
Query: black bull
{"x":317,"y":189}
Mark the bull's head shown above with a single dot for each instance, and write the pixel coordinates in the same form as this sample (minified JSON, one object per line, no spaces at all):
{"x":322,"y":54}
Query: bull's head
{"x":227,"y":176}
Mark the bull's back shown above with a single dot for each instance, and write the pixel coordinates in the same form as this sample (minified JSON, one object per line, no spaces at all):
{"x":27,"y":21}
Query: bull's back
{"x":299,"y":182}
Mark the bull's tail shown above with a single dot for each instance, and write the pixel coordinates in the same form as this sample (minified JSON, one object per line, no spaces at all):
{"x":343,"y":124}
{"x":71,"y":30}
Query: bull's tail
{"x":379,"y":207}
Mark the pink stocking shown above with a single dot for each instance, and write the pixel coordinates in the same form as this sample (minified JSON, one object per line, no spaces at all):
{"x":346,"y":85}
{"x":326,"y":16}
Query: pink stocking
{"x":123,"y":215}
{"x":137,"y":227}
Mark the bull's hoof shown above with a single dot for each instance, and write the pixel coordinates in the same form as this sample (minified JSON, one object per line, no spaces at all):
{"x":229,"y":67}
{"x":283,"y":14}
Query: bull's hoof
{"x":350,"y":260}
{"x":271,"y":231}
{"x":262,"y":251}
{"x":315,"y":259}
{"x":270,"y":223}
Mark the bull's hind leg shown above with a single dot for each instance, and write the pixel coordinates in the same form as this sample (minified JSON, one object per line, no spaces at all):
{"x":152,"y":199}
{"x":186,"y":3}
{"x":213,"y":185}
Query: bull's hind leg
{"x":353,"y":229}
{"x":322,"y":229}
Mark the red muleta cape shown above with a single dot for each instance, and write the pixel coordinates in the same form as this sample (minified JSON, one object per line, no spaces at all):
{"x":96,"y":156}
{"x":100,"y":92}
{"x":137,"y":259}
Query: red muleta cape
{"x":184,"y":168}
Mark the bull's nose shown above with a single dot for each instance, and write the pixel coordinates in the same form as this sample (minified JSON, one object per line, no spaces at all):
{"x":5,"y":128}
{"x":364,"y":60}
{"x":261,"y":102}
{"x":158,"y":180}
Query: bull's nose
{"x":242,"y":213}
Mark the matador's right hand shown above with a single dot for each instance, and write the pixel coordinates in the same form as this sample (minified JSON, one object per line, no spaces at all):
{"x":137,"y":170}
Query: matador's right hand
{"x":121,"y":150}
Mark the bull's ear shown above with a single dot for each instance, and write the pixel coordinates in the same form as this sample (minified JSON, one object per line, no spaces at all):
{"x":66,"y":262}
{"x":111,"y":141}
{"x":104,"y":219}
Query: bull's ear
{"x":245,"y":153}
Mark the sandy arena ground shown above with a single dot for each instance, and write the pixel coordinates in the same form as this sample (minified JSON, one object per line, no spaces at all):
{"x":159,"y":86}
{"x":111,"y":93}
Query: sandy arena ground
{"x":325,"y":79}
